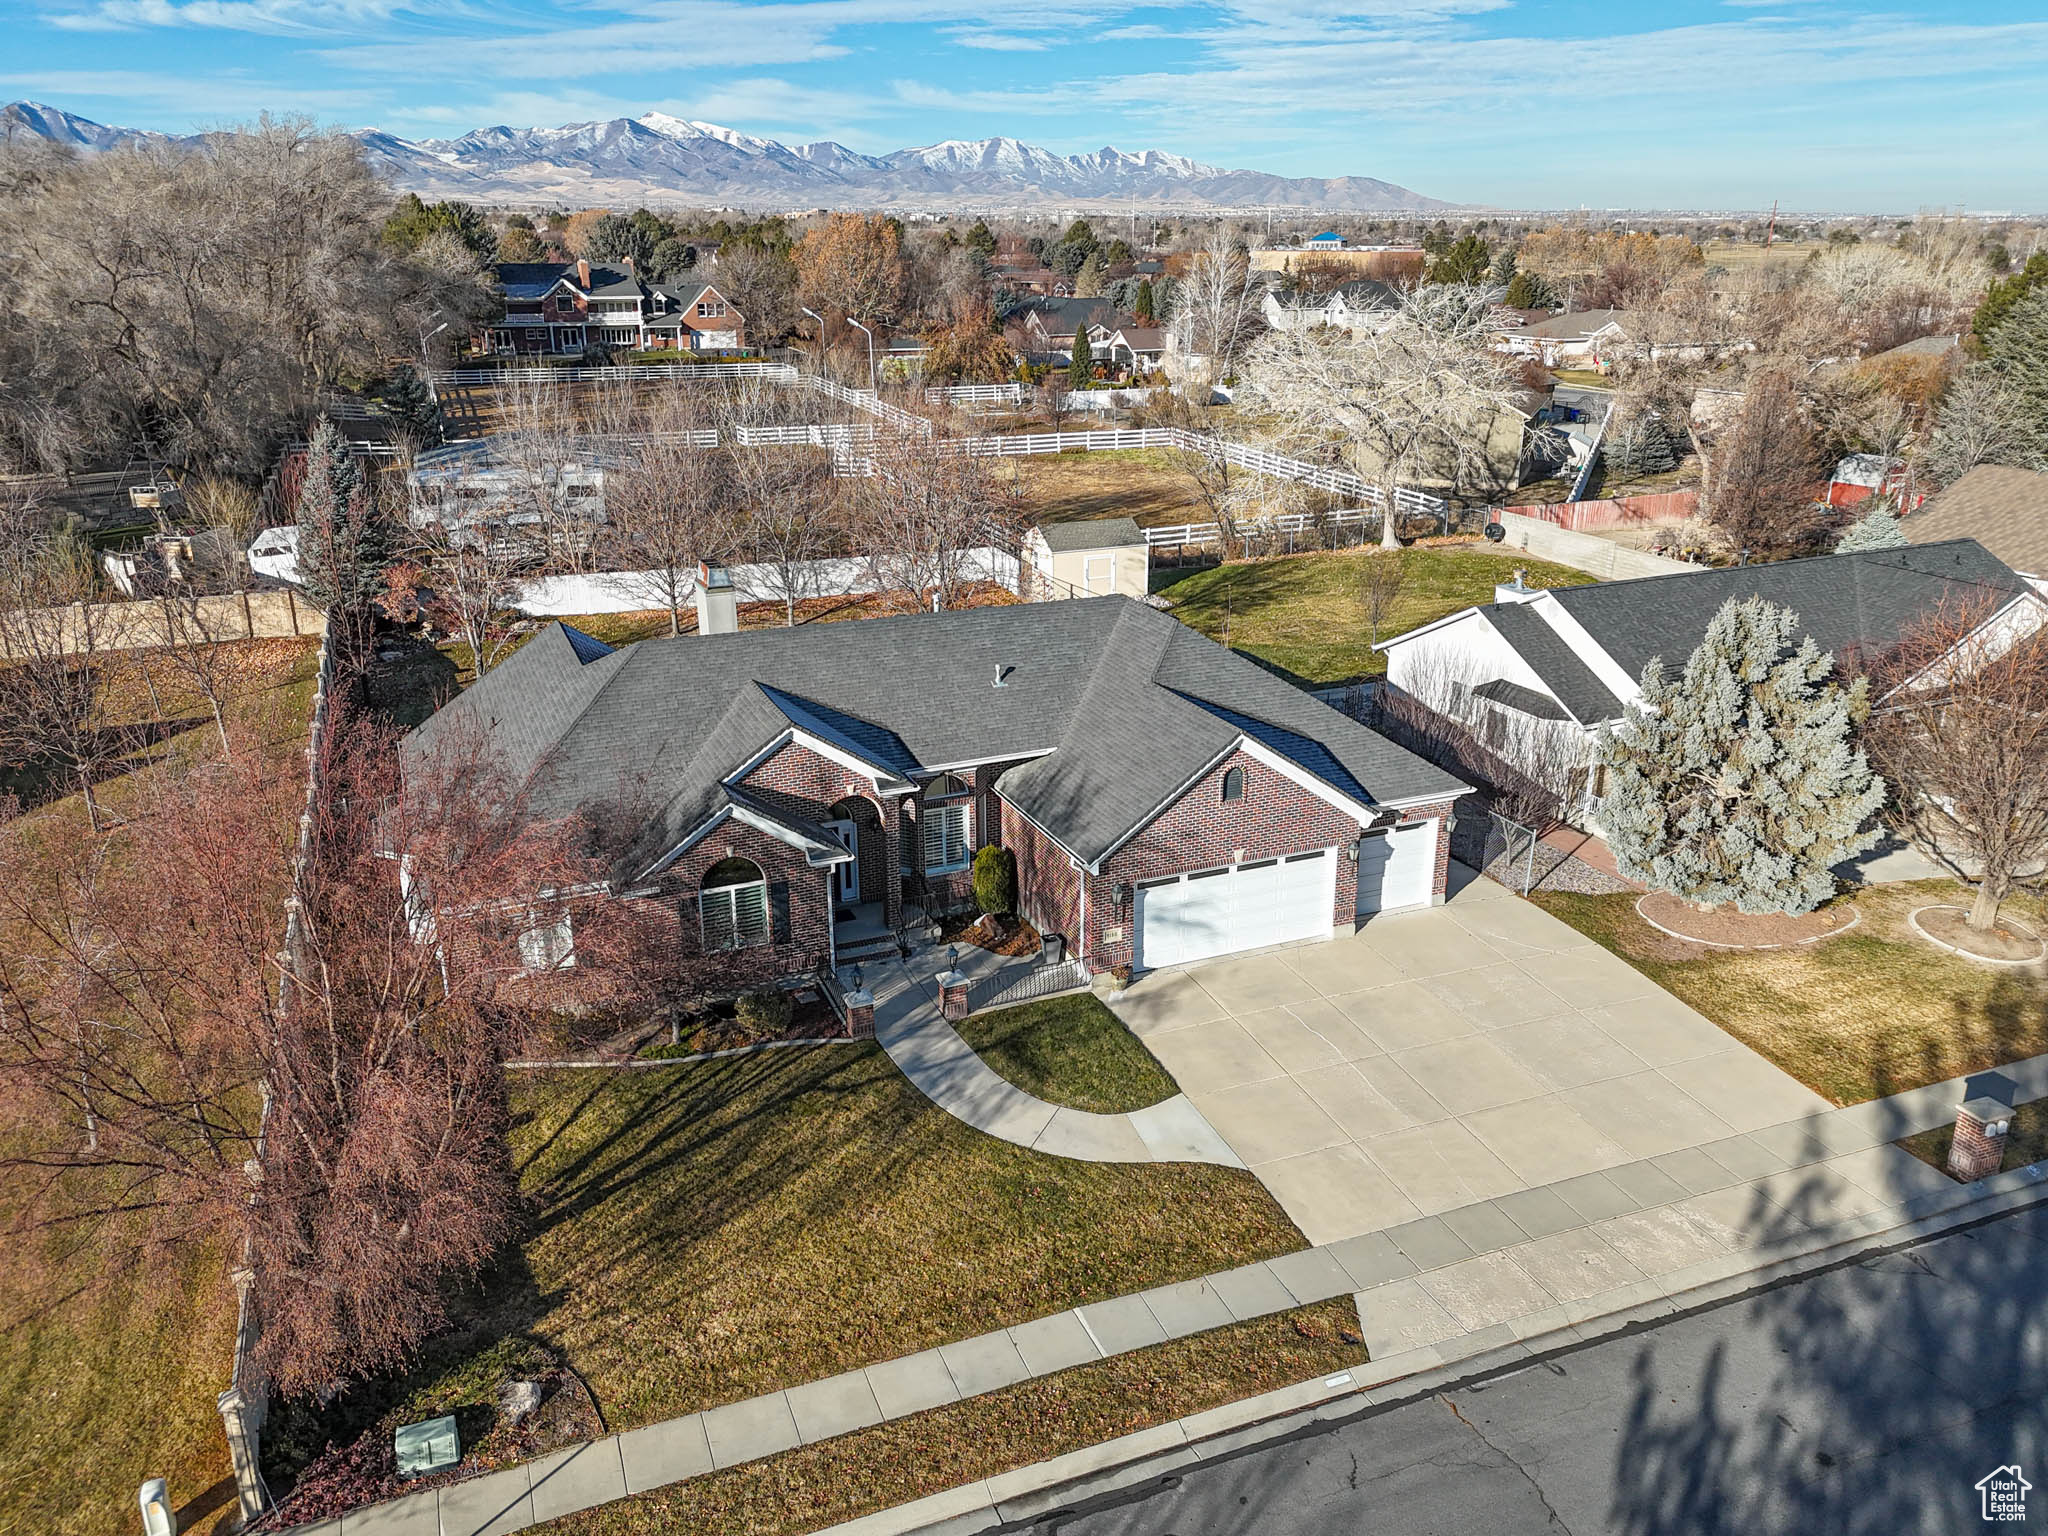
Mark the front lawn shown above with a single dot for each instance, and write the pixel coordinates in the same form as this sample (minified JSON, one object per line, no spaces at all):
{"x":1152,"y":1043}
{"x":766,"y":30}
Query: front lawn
{"x":1072,"y":1051}
{"x":893,"y":1463}
{"x":704,"y":1233}
{"x":1303,"y":614}
{"x":1873,"y":1012}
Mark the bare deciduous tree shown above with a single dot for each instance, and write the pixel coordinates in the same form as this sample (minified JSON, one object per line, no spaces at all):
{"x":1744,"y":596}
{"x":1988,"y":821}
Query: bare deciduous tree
{"x":920,"y":512}
{"x":1216,"y":305}
{"x":1379,"y":589}
{"x":669,"y":503}
{"x":792,"y":519}
{"x":1420,"y":396}
{"x":1960,"y":732}
{"x":1762,"y":494}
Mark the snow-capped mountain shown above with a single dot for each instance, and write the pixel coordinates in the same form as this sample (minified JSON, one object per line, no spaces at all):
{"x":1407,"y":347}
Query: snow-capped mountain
{"x":664,"y":159}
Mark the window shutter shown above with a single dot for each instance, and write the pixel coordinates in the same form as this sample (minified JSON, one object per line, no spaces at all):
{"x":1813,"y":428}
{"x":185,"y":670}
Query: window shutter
{"x":750,"y":915}
{"x":778,"y":912}
{"x":716,"y":909}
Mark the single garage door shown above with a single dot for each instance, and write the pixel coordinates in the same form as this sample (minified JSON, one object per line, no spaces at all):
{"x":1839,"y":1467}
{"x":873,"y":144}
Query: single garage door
{"x":1241,"y":906}
{"x":1397,"y":866}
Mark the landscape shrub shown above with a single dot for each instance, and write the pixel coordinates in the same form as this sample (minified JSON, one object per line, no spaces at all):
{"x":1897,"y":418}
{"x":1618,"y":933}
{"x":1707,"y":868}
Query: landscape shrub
{"x":995,"y":881}
{"x":767,"y":1011}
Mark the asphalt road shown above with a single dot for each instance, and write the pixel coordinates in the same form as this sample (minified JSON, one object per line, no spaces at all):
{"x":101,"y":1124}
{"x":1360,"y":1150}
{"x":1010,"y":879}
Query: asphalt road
{"x":1868,"y":1399}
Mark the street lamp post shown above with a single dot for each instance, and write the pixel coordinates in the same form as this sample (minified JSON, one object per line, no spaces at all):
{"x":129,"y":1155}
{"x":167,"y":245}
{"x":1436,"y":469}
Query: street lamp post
{"x":819,"y":362}
{"x":871,"y":349}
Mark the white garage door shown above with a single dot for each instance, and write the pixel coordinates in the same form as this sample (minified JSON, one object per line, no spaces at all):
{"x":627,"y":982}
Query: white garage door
{"x":1243,"y":906}
{"x":1397,"y":867}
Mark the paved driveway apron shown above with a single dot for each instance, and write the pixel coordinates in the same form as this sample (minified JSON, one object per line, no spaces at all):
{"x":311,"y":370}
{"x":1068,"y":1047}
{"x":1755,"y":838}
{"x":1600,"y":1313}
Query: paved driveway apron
{"x":1444,"y":1057}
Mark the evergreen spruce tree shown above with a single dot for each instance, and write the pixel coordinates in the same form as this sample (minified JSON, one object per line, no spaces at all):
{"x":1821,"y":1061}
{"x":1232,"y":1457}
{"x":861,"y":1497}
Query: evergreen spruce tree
{"x":1088,"y":281}
{"x":1465,"y":260}
{"x":1141,"y":306}
{"x":1738,"y":781}
{"x":1639,"y":444}
{"x":408,"y":399}
{"x":1528,"y":291}
{"x":344,"y":542}
{"x":981,"y":239}
{"x":1504,"y":269}
{"x":1081,"y":367}
{"x":1876,"y":529}
{"x":2017,"y":353}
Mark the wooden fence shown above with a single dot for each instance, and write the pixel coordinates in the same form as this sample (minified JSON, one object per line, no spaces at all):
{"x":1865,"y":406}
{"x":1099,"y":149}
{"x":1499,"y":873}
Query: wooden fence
{"x":1665,"y":510}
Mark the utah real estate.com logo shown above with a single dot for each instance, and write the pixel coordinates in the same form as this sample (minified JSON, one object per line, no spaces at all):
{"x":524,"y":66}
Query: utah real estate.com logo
{"x":2004,"y":1492}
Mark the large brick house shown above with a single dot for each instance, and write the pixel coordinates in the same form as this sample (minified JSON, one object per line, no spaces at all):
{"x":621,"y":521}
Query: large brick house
{"x":1166,"y":800}
{"x":556,"y":307}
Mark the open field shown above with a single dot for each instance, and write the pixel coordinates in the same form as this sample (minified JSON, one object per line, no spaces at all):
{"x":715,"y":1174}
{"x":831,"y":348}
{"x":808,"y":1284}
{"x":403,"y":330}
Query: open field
{"x":1302,"y":616}
{"x":705,"y":1233}
{"x":1072,"y":1051}
{"x":1872,"y":1012}
{"x":109,"y":1362}
{"x":906,"y":1459}
{"x":1142,"y":483}
{"x":1737,"y":255}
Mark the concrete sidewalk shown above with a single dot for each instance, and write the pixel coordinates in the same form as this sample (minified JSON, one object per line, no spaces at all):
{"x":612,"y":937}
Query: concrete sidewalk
{"x":1487,"y":1276}
{"x":946,"y":1070}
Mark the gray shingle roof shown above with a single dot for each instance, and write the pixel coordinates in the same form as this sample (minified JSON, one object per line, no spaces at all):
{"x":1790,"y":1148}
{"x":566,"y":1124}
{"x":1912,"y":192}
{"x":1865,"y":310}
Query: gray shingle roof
{"x":1123,"y":704}
{"x":1858,"y":603}
{"x":1571,"y":682}
{"x":1091,"y":533}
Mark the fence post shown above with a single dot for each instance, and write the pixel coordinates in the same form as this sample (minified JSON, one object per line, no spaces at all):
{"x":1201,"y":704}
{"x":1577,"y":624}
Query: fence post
{"x":244,"y":1406}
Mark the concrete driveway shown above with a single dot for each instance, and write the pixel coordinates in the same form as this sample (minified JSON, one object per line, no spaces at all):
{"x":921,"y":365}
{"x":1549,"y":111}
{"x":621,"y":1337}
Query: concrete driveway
{"x":1444,"y":1057}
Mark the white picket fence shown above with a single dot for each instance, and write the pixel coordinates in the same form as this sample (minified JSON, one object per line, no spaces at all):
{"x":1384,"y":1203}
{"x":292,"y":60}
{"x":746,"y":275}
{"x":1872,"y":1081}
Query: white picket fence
{"x":781,"y":373}
{"x":1285,"y":525}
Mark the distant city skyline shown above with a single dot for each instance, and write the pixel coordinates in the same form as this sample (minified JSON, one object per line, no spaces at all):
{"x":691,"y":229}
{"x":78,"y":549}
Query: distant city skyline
{"x":1821,"y":105}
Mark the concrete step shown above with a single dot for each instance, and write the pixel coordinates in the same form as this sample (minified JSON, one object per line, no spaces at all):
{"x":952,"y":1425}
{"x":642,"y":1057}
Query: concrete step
{"x":875,"y":947}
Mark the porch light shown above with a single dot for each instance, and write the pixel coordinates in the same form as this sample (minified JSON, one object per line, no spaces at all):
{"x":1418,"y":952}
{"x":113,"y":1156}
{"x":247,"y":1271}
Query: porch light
{"x":855,"y":977}
{"x":1123,"y":895}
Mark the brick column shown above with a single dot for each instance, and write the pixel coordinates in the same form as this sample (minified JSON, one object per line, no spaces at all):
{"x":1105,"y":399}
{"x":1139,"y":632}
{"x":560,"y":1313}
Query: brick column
{"x":1978,"y":1148}
{"x":860,"y":1014}
{"x":953,"y":995}
{"x":892,"y":854}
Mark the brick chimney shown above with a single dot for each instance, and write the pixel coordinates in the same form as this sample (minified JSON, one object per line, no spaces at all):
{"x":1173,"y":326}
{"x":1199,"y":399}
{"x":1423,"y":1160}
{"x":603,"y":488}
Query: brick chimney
{"x":583,"y":273}
{"x":627,"y":262}
{"x":718,"y":605}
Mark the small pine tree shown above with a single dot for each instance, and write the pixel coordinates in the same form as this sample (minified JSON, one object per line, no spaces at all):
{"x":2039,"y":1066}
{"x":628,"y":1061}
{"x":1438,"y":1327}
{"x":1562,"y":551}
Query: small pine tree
{"x":408,"y":399}
{"x":1088,"y":281}
{"x":1738,"y":782}
{"x":1504,"y":269}
{"x":1465,"y":260}
{"x":1639,"y":444}
{"x":981,"y":239}
{"x":344,"y":542}
{"x":1081,"y":367}
{"x":1528,"y":291}
{"x":1876,"y":529}
{"x":1141,"y":305}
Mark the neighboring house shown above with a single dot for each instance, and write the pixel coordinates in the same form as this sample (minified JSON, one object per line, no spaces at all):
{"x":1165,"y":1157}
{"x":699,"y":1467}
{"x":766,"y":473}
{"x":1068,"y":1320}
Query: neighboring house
{"x":1388,"y":263}
{"x":1095,"y":558}
{"x":1363,"y":304}
{"x":508,"y":487}
{"x":555,"y":307}
{"x":1046,"y":329}
{"x":1128,"y":345}
{"x":1535,"y":674}
{"x":777,"y":790}
{"x":2004,"y":509}
{"x":275,"y":553}
{"x":1328,"y":240}
{"x":1580,"y":339}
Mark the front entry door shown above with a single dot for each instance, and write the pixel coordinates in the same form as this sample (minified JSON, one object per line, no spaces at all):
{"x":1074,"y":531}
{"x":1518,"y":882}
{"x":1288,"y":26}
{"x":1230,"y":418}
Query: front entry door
{"x":846,"y":877}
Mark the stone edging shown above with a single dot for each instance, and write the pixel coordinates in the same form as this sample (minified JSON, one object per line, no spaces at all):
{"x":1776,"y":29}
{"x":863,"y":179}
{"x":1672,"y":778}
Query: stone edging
{"x":1132,"y":1459}
{"x":1913,"y":918}
{"x":1743,"y":948}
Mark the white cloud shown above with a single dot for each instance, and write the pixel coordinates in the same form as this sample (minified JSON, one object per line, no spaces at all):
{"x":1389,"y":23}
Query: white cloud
{"x":996,"y":42}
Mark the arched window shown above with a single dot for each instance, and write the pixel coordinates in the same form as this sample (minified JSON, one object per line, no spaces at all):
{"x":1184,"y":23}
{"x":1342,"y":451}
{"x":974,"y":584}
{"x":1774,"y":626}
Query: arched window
{"x":946,"y":820}
{"x":733,"y":905}
{"x":1233,"y":783}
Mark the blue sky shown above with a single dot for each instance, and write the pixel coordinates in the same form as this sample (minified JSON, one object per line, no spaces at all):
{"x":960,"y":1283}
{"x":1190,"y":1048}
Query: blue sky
{"x":1701,"y":103}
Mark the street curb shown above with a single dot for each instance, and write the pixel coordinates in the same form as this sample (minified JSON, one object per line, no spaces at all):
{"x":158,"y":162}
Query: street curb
{"x":1114,"y":1465}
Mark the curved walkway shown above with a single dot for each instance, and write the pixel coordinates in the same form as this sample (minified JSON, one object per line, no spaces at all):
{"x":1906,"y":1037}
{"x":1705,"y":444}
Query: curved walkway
{"x":946,"y":1070}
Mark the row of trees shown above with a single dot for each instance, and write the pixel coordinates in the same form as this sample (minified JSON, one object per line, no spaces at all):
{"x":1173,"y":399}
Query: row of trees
{"x":191,"y":305}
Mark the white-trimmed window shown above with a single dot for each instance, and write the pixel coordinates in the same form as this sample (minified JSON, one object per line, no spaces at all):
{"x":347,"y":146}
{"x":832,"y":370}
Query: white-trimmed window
{"x":733,"y":906}
{"x":547,"y":946}
{"x":946,"y":822}
{"x":710,"y":309}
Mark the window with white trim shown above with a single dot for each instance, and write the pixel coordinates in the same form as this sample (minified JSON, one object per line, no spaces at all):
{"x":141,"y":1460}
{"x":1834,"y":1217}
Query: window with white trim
{"x":547,"y":946}
{"x":732,"y":907}
{"x":946,"y":822}
{"x":710,"y":309}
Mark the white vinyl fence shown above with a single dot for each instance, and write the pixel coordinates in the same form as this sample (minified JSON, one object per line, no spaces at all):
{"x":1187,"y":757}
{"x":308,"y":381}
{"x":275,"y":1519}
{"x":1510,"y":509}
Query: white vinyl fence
{"x":634,"y":592}
{"x":1012,"y":393}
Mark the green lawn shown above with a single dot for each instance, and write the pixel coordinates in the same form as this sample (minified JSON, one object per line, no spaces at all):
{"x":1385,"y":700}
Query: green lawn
{"x":1072,"y":1051}
{"x":1873,"y":1012}
{"x":893,"y":1463}
{"x":1303,"y":614}
{"x":704,"y":1233}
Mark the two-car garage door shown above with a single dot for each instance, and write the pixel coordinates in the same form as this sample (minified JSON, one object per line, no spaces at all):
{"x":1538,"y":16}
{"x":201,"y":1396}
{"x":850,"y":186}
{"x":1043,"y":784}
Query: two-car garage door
{"x":1241,"y":906}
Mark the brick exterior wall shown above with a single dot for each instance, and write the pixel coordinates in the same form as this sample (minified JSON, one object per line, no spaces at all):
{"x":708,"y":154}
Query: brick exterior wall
{"x":1201,"y":830}
{"x":799,"y":907}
